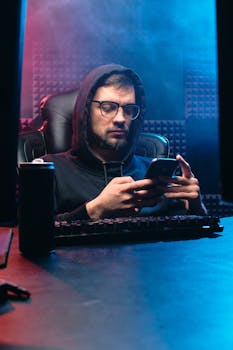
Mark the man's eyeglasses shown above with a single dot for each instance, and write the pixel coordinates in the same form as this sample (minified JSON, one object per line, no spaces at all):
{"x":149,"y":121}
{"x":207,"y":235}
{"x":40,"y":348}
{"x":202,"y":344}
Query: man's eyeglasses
{"x":110,"y":109}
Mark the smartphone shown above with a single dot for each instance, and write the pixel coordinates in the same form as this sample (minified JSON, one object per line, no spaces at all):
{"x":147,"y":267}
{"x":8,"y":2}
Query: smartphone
{"x":162,"y":167}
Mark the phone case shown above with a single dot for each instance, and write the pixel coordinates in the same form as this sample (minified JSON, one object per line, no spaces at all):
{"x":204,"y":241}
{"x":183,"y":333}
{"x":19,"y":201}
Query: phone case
{"x":162,"y":167}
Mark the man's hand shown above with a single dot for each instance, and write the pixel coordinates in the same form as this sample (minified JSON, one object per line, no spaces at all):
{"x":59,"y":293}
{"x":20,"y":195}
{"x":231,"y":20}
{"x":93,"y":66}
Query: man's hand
{"x":124,"y":197}
{"x":185,"y":187}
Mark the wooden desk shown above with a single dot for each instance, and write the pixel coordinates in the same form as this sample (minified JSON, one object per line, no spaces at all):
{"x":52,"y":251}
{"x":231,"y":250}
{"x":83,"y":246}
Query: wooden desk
{"x":154,"y":296}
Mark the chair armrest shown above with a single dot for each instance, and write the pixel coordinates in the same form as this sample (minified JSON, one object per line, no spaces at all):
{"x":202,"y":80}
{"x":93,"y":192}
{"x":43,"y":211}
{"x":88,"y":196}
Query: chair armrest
{"x":31,"y":145}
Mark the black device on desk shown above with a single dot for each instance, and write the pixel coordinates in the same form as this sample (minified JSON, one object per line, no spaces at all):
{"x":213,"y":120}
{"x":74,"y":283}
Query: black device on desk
{"x":8,"y":290}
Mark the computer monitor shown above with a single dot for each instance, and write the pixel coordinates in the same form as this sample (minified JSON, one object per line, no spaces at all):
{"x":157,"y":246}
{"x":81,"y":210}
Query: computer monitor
{"x":12,"y":23}
{"x":225,"y":84}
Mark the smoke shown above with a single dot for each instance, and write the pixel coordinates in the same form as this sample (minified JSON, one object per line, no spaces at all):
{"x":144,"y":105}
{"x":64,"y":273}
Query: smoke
{"x":156,"y":38}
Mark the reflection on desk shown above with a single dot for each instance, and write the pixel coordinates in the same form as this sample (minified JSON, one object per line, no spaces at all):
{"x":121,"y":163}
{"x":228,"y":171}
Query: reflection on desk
{"x":170,"y":295}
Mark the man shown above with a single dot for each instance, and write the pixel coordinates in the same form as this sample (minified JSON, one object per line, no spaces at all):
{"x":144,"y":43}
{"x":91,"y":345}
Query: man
{"x":100,"y":176}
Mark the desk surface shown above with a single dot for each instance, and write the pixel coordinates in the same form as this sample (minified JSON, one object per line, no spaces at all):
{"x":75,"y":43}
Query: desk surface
{"x":163,"y":296}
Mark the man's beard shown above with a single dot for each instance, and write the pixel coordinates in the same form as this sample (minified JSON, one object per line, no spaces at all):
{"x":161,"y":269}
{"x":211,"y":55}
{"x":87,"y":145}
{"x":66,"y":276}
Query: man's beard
{"x":117,"y":145}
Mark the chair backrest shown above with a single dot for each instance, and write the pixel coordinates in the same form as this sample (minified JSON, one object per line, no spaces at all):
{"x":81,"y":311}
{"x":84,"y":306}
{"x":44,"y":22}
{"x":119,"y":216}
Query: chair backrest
{"x":55,"y":134}
{"x":56,"y":113}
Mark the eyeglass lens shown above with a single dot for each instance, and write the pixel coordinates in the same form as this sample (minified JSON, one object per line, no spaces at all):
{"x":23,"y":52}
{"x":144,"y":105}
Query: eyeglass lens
{"x":109,"y":109}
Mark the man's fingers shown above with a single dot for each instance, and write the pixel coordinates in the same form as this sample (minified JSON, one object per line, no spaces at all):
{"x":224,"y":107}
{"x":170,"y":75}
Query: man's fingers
{"x":185,"y":167}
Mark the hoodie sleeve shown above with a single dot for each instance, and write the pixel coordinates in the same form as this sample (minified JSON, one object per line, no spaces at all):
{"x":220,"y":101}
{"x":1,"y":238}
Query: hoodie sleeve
{"x":167,"y":207}
{"x":79,"y":213}
{"x":65,"y":186}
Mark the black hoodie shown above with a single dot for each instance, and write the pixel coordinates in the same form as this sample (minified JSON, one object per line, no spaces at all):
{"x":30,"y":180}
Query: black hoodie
{"x":79,"y":175}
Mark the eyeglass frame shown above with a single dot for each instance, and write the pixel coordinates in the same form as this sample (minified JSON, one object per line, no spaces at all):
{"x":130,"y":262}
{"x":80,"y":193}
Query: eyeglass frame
{"x":118,"y":105}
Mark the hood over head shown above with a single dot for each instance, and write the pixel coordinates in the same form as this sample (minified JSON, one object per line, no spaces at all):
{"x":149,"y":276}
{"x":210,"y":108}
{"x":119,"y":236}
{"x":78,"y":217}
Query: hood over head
{"x":85,"y":95}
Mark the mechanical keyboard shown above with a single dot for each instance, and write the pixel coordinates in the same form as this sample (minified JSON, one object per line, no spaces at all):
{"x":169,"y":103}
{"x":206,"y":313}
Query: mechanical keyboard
{"x":148,"y":228}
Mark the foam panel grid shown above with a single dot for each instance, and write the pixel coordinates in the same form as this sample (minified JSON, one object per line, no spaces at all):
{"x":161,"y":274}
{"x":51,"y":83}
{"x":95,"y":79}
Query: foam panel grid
{"x":56,"y":71}
{"x":215,"y":207}
{"x":200,"y":86}
{"x":25,"y":124}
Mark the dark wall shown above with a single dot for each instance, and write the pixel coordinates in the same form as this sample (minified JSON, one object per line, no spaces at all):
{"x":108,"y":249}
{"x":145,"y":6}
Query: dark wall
{"x":12,"y":21}
{"x":225,"y":54}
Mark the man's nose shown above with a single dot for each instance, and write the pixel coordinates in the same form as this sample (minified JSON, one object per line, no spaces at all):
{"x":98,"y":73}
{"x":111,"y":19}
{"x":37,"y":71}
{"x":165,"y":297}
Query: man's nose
{"x":120,"y":117}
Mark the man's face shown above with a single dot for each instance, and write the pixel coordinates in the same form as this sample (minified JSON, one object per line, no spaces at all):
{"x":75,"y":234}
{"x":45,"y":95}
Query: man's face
{"x":110,"y":134}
